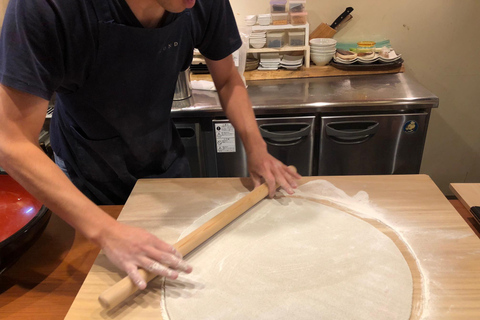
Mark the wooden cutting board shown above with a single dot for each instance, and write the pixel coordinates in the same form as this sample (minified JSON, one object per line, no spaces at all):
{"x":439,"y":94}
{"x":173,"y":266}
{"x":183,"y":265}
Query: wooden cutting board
{"x":444,"y":249}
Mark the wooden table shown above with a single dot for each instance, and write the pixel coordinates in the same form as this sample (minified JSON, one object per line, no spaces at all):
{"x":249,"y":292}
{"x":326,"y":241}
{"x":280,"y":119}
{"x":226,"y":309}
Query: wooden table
{"x":44,"y":282}
{"x":467,"y":193}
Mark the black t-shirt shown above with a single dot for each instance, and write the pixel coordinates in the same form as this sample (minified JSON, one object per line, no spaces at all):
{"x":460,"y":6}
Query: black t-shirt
{"x":49,"y":46}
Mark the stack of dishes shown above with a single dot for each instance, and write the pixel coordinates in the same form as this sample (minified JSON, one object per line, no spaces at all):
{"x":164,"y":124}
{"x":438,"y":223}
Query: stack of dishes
{"x":291,"y":62}
{"x":390,"y":57}
{"x":322,"y":50}
{"x":264,"y":19}
{"x":269,"y":61}
{"x":341,"y":57}
{"x":250,"y":20}
{"x":251,"y":64}
{"x":258,"y":39}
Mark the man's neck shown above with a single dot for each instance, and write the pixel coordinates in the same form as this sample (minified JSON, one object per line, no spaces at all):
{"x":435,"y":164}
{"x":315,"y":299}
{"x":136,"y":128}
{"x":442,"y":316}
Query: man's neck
{"x":148,"y":12}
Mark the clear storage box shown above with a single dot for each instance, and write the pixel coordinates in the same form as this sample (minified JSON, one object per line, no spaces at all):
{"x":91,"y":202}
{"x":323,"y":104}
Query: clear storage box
{"x":275,"y":39}
{"x":296,"y":6}
{"x":279,"y":18}
{"x":296,"y":38}
{"x":298,"y":18}
{"x":278,"y":6}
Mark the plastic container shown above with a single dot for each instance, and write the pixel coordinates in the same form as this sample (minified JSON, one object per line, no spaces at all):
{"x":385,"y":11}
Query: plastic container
{"x":298,"y":18}
{"x":296,"y":6}
{"x":296,"y":38}
{"x":278,"y":6}
{"x":279,"y":18}
{"x":275,"y":39}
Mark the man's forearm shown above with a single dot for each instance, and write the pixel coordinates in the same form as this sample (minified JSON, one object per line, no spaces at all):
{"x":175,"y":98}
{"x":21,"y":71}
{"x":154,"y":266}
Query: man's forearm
{"x":238,"y":109}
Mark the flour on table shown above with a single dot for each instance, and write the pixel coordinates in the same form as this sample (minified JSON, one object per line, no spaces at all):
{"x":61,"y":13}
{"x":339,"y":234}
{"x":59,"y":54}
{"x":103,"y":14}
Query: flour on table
{"x":292,"y":258}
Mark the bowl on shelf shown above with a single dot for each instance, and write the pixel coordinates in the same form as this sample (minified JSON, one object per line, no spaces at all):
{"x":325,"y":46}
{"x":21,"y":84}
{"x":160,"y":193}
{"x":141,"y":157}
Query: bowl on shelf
{"x":315,"y":50}
{"x":321,"y":59}
{"x":323,"y":42}
{"x":251,"y":20}
{"x":264,"y":19}
{"x":257,"y":45}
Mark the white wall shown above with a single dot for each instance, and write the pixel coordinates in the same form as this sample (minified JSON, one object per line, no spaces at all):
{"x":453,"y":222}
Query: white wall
{"x":440,"y":43}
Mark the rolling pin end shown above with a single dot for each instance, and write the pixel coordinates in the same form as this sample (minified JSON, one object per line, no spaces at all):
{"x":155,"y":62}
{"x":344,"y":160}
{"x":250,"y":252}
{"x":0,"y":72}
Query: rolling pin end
{"x":103,"y":303}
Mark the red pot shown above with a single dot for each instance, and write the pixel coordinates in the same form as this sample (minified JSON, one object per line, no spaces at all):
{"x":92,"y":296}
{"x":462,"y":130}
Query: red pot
{"x":22,"y":220}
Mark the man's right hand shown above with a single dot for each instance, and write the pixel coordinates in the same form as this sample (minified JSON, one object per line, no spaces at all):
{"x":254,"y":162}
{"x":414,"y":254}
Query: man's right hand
{"x":131,"y":248}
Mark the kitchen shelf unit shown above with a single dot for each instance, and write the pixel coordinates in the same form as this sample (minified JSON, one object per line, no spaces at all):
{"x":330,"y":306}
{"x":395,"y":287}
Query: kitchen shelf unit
{"x":305,"y":48}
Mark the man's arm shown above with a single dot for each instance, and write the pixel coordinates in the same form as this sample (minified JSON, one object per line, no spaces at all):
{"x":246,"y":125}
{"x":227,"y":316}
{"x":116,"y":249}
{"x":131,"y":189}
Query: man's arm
{"x":238,"y":108}
{"x":21,"y":119}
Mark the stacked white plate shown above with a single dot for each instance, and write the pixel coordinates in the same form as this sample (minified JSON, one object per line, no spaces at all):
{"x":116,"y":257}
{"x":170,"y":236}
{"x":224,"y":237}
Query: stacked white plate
{"x":370,"y":59}
{"x":264,"y":19}
{"x":322,"y":50}
{"x":291,"y":62}
{"x":258,"y":39}
{"x":392,"y":56}
{"x":269,"y":61}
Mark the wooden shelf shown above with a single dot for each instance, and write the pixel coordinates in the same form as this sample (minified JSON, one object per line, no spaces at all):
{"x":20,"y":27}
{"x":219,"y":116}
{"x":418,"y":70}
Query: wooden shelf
{"x":303,"y":72}
{"x":279,"y":27}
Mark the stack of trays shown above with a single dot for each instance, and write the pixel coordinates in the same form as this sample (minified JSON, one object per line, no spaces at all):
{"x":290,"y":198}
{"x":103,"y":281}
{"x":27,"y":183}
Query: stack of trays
{"x":258,"y":39}
{"x":291,"y":62}
{"x":269,"y":61}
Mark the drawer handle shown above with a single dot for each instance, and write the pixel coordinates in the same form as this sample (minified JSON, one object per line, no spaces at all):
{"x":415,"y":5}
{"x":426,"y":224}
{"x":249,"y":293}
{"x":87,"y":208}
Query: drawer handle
{"x":351,"y":132}
{"x":186,"y":133}
{"x":284,"y":134}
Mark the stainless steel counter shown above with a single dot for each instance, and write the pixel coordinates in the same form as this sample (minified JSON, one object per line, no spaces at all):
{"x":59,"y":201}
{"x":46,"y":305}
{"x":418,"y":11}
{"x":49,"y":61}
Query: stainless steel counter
{"x":373,"y":124}
{"x":395,"y":92}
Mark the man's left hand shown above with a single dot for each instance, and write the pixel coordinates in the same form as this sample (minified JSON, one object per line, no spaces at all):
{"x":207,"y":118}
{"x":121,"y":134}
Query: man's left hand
{"x":261,"y":165}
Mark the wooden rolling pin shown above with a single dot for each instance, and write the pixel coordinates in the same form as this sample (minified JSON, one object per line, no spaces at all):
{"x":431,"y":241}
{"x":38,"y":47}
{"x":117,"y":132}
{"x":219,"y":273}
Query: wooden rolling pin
{"x":125,"y":287}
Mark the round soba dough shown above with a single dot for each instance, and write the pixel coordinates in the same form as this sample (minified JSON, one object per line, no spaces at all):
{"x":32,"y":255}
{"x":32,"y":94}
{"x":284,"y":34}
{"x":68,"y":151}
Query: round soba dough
{"x":291,"y":258}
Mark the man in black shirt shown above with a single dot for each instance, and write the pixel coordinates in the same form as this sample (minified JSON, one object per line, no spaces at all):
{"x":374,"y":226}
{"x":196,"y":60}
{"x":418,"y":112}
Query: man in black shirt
{"x":113,"y":65}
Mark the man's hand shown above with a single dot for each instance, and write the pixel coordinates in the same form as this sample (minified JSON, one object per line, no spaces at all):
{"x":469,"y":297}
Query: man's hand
{"x":131,"y":248}
{"x":262,"y":165}
{"x":238,"y":108}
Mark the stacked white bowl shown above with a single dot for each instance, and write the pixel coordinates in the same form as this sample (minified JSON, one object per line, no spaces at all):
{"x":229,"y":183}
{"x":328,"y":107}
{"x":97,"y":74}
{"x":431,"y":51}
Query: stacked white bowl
{"x":264,"y":19}
{"x":258,"y":39}
{"x":322,"y":50}
{"x":251,"y":20}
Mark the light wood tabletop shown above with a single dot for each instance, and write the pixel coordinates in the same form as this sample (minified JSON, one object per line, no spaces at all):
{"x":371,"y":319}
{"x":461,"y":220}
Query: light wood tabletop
{"x":467,"y":193}
{"x":44,"y":282}
{"x":444,"y":251}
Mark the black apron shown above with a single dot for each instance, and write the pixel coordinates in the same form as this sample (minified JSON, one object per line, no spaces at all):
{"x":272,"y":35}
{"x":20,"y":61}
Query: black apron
{"x":117,"y":128}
